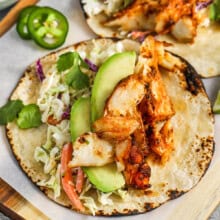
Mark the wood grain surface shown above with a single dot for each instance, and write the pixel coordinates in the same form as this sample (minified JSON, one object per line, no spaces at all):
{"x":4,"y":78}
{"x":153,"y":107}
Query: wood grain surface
{"x":16,"y":206}
{"x":8,"y":21}
{"x":200,"y":202}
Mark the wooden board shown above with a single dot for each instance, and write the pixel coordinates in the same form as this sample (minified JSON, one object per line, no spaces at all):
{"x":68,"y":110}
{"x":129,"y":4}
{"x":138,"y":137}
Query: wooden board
{"x":201,"y":201}
{"x":15,"y":206}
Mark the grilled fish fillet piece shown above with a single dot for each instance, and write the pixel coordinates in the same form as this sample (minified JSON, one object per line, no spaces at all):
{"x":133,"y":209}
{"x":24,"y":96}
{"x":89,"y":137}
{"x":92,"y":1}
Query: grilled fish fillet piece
{"x":145,"y":84}
{"x":156,"y":105}
{"x":136,"y":13}
{"x":122,"y":149}
{"x":115,"y":127}
{"x":139,"y":137}
{"x":160,"y":139}
{"x":173,"y":12}
{"x":153,"y":54}
{"x":185,"y":29}
{"x":123,"y":103}
{"x":90,"y":150}
{"x":176,"y":16}
{"x":125,"y":97}
{"x":130,"y":152}
{"x":131,"y":160}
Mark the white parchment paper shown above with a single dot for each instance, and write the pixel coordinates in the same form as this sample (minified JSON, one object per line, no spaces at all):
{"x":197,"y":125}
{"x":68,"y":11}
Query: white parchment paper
{"x":15,"y":55}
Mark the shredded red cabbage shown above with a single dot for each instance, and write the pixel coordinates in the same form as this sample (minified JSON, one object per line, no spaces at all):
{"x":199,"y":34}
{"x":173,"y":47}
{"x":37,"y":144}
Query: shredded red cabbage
{"x":91,"y":65}
{"x":66,"y":114}
{"x":201,"y":5}
{"x":39,"y":71}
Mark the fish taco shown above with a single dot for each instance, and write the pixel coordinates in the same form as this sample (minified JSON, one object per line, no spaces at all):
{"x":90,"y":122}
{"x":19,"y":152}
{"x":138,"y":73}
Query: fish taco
{"x":190,"y":26}
{"x":124,"y":127}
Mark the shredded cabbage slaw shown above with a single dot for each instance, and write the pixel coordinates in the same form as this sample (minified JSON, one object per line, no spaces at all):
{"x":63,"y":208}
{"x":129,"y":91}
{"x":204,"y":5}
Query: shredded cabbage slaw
{"x":55,"y":98}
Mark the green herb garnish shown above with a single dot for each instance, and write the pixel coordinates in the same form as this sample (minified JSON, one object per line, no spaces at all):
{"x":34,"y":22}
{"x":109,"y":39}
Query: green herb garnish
{"x":76,"y":78}
{"x":29,"y":117}
{"x":9,"y":111}
{"x":65,"y":61}
{"x":74,"y":63}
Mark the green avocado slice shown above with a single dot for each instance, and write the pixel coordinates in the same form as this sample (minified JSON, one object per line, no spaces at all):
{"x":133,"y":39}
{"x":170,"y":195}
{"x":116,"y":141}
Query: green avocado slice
{"x":80,"y":118}
{"x":114,"y":69}
{"x":105,"y":178}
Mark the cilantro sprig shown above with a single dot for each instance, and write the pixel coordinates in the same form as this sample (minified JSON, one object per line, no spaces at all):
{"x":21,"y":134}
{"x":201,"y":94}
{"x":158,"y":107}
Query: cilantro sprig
{"x":29,"y":117}
{"x":26,"y":116}
{"x":9,"y":111}
{"x":74,"y":77}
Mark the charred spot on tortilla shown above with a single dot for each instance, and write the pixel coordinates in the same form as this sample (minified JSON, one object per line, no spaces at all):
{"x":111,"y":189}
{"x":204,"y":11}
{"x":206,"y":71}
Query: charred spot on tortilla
{"x":194,"y":84}
{"x":173,"y":194}
{"x":149,"y":206}
{"x":192,"y":125}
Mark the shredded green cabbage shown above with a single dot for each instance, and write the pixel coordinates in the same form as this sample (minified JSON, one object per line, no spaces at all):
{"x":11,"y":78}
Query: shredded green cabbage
{"x":54,"y":182}
{"x":49,"y":159}
{"x":104,"y":198}
{"x":41,"y":155}
{"x":54,"y":98}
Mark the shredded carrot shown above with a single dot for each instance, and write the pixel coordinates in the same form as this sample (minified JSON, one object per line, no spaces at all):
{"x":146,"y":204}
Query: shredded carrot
{"x":52,"y":121}
{"x":67,"y":178}
{"x":79,"y":180}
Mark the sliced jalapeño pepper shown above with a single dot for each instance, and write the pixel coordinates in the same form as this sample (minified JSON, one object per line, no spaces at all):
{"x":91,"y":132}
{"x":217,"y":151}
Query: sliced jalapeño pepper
{"x":48,"y":27}
{"x":21,"y":27}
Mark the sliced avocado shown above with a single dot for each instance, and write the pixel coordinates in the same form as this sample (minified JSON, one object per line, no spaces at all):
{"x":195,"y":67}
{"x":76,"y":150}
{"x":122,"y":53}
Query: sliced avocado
{"x":115,"y":68}
{"x":105,"y":178}
{"x":80,"y":118}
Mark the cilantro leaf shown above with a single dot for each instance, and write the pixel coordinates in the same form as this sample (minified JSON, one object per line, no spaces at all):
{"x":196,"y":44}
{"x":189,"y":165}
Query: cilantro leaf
{"x":79,"y":61}
{"x":76,"y":78}
{"x":9,"y":111}
{"x":29,"y":117}
{"x":83,"y":63}
{"x":80,"y":81}
{"x":69,"y":59}
{"x":65,"y":61}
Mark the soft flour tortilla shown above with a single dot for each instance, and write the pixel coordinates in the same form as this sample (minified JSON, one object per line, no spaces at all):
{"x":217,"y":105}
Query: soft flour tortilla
{"x":193,"y":137}
{"x":203,"y":53}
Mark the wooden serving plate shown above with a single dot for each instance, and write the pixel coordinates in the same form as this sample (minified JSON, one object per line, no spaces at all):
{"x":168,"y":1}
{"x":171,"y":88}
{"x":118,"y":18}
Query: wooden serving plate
{"x":15,"y":206}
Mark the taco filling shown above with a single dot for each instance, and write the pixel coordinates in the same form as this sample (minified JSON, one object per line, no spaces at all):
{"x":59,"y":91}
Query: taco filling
{"x":125,"y":127}
{"x":138,"y":18}
{"x":190,"y":27}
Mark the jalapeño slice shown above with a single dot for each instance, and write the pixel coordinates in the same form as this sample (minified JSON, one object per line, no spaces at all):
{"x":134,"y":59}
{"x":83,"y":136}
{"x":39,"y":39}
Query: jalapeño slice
{"x":48,"y":27}
{"x":21,"y":27}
